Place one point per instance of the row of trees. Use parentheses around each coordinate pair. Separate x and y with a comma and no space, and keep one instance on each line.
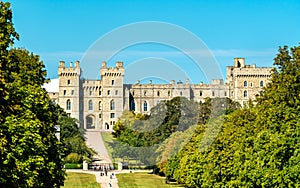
(256,146)
(154,138)
(215,145)
(30,153)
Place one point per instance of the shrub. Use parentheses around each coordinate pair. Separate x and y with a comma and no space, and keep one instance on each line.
(74,158)
(73,165)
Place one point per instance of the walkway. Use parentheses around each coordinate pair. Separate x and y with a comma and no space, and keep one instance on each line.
(94,140)
(103,180)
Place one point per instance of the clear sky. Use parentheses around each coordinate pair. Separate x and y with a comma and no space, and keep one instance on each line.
(64,30)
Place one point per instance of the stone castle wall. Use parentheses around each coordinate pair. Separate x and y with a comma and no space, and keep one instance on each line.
(97,104)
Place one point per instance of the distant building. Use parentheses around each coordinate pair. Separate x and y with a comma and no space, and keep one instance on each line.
(97,104)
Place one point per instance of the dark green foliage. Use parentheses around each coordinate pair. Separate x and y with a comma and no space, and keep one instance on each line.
(72,138)
(256,147)
(167,117)
(30,154)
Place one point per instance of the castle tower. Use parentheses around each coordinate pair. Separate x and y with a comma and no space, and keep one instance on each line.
(69,88)
(245,81)
(112,93)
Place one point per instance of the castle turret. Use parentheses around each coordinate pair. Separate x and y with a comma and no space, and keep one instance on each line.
(112,83)
(239,62)
(69,88)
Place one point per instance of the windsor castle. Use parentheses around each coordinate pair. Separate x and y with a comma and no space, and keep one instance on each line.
(97,104)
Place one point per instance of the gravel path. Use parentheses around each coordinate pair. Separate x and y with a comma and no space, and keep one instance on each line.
(95,141)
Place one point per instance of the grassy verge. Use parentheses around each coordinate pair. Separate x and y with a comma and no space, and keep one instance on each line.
(108,139)
(142,179)
(80,180)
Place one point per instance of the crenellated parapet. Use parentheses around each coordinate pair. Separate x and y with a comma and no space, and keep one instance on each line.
(72,70)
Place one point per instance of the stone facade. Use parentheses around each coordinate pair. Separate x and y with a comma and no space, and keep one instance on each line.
(97,104)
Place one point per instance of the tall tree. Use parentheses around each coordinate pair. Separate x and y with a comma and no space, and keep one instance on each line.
(30,154)
(7,37)
(256,147)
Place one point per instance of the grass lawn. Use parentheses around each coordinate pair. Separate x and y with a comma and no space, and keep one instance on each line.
(142,179)
(108,139)
(81,180)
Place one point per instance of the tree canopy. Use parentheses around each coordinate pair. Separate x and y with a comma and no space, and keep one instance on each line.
(30,154)
(256,146)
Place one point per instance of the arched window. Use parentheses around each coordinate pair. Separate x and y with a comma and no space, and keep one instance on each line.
(132,105)
(158,93)
(245,93)
(245,84)
(261,84)
(200,93)
(100,105)
(145,106)
(145,93)
(169,93)
(69,104)
(112,105)
(180,93)
(90,105)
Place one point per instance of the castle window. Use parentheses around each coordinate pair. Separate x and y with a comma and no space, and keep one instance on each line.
(200,93)
(180,93)
(213,93)
(169,93)
(158,93)
(116,92)
(225,93)
(112,115)
(65,92)
(251,85)
(69,104)
(100,105)
(72,92)
(133,93)
(69,82)
(100,92)
(112,82)
(112,105)
(90,105)
(261,84)
(91,93)
(245,83)
(108,92)
(145,106)
(132,105)
(100,116)
(145,93)
(245,93)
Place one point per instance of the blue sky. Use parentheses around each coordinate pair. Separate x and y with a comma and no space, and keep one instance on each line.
(66,30)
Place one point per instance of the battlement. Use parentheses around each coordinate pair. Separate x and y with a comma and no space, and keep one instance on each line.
(69,71)
(118,70)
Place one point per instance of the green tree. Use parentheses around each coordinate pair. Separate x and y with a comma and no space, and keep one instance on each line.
(256,147)
(72,138)
(30,154)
